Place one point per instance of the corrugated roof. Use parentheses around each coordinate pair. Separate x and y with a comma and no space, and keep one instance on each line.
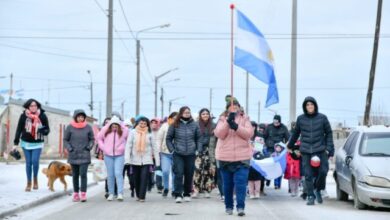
(20,102)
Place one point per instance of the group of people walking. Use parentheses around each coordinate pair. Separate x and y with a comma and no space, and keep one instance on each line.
(192,156)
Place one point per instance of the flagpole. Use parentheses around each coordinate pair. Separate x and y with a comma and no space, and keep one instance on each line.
(231,57)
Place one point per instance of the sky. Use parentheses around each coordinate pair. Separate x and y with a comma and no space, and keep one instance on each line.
(50,45)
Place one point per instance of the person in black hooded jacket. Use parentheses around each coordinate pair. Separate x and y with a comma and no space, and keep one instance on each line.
(316,140)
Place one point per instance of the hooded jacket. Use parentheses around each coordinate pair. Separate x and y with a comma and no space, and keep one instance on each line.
(315,131)
(273,135)
(79,142)
(113,144)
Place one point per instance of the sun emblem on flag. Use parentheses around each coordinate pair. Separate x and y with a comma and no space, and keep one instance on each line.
(270,56)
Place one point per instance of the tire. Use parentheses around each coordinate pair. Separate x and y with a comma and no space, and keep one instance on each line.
(340,194)
(356,202)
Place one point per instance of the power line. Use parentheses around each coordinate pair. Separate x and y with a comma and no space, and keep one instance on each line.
(127,21)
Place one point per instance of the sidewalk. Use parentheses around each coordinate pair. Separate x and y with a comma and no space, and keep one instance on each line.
(13,181)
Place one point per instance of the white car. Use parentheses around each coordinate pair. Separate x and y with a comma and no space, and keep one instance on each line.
(363,167)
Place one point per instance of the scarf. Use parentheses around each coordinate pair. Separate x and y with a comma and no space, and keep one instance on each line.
(79,124)
(140,140)
(33,123)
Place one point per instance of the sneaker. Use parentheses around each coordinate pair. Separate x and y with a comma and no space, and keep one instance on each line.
(76,197)
(251,197)
(240,212)
(187,199)
(106,195)
(257,196)
(159,191)
(310,200)
(83,196)
(207,195)
(229,211)
(324,194)
(263,194)
(303,196)
(165,193)
(318,196)
(120,197)
(195,195)
(179,199)
(222,198)
(110,197)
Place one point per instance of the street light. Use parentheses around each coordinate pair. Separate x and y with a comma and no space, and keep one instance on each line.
(91,89)
(138,44)
(170,101)
(162,95)
(156,78)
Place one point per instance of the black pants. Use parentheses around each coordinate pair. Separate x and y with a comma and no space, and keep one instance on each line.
(141,180)
(79,171)
(127,172)
(183,167)
(315,178)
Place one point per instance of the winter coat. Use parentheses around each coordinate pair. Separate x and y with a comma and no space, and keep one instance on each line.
(161,142)
(315,131)
(135,158)
(209,142)
(21,132)
(234,146)
(79,142)
(292,168)
(112,144)
(274,135)
(185,139)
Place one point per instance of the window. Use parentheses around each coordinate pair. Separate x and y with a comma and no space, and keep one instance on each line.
(375,144)
(351,149)
(347,144)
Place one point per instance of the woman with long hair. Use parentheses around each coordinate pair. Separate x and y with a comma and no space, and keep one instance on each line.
(33,125)
(112,140)
(139,153)
(205,170)
(183,140)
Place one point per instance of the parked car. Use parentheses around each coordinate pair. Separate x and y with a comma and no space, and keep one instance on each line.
(363,167)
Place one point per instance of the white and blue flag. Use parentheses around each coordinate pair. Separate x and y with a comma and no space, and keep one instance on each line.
(253,54)
(272,167)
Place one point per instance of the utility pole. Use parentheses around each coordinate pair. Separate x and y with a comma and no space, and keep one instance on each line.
(123,109)
(138,86)
(109,58)
(293,81)
(258,113)
(156,78)
(247,94)
(162,102)
(11,89)
(211,99)
(91,92)
(373,65)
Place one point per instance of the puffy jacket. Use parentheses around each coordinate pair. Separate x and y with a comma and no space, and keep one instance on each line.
(21,132)
(79,142)
(161,142)
(135,158)
(292,168)
(209,142)
(275,135)
(233,145)
(315,131)
(185,139)
(112,144)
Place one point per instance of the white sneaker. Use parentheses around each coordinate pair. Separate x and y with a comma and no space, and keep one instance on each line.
(110,197)
(179,200)
(251,197)
(257,196)
(195,195)
(120,197)
(324,194)
(207,195)
(187,199)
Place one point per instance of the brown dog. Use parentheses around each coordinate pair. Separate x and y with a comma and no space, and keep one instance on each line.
(56,170)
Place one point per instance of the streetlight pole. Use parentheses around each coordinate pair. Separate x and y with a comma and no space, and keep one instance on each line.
(171,101)
(156,78)
(138,51)
(91,90)
(162,96)
(109,59)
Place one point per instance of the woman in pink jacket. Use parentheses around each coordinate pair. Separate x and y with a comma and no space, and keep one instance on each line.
(112,141)
(233,153)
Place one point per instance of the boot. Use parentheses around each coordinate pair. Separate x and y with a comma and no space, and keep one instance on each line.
(28,187)
(35,186)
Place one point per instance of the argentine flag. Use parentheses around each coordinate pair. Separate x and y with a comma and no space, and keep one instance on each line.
(272,167)
(253,54)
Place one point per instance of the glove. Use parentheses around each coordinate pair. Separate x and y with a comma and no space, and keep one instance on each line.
(232,116)
(233,125)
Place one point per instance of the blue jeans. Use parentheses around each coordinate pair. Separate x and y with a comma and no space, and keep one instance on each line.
(235,181)
(166,167)
(278,182)
(32,161)
(114,166)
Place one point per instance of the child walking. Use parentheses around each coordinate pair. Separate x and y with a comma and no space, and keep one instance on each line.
(292,173)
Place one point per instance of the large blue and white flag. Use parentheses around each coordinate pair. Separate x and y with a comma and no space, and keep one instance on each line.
(253,54)
(272,167)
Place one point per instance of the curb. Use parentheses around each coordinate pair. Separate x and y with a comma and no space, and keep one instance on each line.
(38,202)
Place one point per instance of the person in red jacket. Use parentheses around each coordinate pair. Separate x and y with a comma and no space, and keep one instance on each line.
(292,173)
